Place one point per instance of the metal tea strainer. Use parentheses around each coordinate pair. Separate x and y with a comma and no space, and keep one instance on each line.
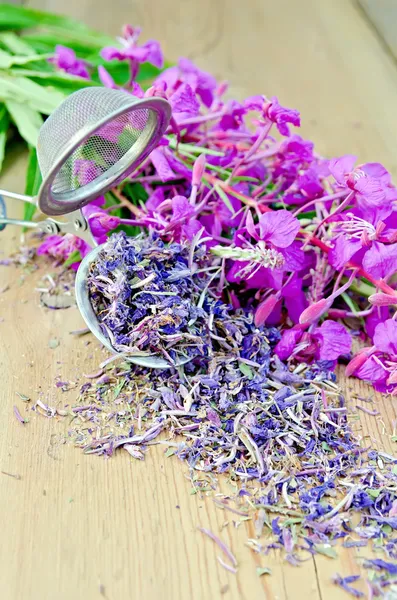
(90,143)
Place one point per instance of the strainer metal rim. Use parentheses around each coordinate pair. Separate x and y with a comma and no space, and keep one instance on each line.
(87,312)
(159,117)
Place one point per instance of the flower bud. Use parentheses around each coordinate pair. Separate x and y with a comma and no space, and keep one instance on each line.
(265,308)
(198,170)
(382,299)
(313,312)
(358,360)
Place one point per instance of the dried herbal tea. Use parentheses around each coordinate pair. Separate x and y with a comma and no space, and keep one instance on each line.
(155,298)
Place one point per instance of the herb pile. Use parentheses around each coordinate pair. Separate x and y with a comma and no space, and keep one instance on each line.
(281,436)
(153,298)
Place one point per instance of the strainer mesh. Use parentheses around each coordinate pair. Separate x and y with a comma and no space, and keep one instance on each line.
(96,153)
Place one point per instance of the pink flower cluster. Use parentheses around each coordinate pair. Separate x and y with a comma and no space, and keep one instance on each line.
(308,244)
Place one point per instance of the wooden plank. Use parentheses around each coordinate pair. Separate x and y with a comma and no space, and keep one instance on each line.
(383,16)
(82,527)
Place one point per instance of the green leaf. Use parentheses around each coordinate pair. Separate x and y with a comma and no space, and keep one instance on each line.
(15,44)
(4,124)
(224,198)
(58,79)
(73,258)
(23,90)
(27,120)
(120,71)
(118,387)
(19,17)
(246,370)
(136,193)
(328,551)
(373,493)
(33,182)
(7,60)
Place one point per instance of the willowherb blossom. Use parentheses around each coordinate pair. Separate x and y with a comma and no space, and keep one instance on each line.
(149,51)
(65,59)
(327,342)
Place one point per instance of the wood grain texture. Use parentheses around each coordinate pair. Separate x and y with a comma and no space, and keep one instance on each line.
(383,15)
(79,527)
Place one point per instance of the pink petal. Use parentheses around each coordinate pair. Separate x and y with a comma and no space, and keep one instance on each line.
(385,336)
(344,249)
(377,171)
(250,225)
(279,227)
(184,101)
(380,260)
(288,342)
(334,340)
(181,208)
(161,165)
(378,315)
(371,188)
(341,167)
(372,371)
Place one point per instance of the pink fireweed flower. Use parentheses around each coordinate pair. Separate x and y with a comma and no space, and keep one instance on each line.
(274,112)
(182,224)
(99,221)
(107,80)
(368,242)
(327,342)
(65,59)
(218,217)
(370,182)
(380,364)
(150,51)
(62,247)
(185,72)
(275,231)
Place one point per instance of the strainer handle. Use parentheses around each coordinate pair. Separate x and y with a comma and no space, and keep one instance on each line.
(30,199)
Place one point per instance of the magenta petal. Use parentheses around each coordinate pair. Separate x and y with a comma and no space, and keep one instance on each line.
(372,371)
(279,227)
(378,315)
(294,298)
(184,101)
(106,78)
(250,225)
(341,167)
(295,259)
(377,171)
(343,250)
(181,208)
(191,229)
(288,342)
(380,260)
(372,189)
(161,165)
(385,337)
(334,340)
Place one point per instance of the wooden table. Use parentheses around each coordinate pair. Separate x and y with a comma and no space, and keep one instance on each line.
(79,527)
